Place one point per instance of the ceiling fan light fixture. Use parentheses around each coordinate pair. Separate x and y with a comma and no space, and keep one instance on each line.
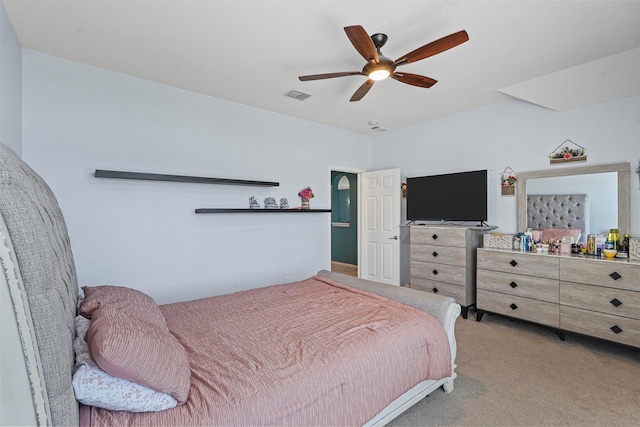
(380,70)
(379,74)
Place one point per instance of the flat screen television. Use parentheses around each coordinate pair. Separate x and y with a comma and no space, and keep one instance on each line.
(460,196)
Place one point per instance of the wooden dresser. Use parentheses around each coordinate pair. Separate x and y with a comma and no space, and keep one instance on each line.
(443,261)
(590,296)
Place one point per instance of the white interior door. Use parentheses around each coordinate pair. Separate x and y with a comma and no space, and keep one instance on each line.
(379,254)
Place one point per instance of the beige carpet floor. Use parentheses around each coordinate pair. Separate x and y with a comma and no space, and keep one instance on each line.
(514,373)
(341,267)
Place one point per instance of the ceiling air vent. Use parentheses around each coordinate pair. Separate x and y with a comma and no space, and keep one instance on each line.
(297,94)
(373,125)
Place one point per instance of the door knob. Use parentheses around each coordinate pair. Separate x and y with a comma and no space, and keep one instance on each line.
(393,238)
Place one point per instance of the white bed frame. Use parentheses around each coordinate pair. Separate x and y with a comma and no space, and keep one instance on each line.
(23,394)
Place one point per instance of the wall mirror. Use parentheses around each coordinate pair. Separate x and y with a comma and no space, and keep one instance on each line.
(617,179)
(341,204)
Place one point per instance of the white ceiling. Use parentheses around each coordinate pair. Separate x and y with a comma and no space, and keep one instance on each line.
(558,54)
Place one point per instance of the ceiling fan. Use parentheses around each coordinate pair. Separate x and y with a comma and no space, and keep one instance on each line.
(380,67)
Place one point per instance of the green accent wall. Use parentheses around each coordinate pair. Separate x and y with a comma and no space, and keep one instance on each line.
(344,210)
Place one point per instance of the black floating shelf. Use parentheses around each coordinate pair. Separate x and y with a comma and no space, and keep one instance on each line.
(180,178)
(224,210)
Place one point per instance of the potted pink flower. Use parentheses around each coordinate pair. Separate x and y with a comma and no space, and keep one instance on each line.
(509,181)
(509,184)
(306,194)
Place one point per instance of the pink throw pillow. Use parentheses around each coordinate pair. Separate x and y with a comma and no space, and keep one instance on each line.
(136,303)
(559,233)
(148,355)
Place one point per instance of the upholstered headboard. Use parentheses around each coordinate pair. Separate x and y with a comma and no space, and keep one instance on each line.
(38,268)
(558,211)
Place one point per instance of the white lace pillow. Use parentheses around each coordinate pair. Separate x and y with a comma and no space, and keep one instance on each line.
(94,387)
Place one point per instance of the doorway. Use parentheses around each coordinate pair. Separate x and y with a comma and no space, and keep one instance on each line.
(344,222)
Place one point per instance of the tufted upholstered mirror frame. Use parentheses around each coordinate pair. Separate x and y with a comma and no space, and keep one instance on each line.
(624,185)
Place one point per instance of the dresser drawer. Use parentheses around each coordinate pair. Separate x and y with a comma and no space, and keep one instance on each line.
(601,325)
(440,236)
(439,254)
(441,288)
(614,274)
(522,286)
(598,298)
(439,272)
(542,312)
(538,265)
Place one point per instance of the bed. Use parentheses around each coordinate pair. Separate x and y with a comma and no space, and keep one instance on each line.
(331,349)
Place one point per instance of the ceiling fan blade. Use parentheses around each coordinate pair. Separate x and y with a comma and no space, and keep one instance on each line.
(329,75)
(414,79)
(362,42)
(433,48)
(362,90)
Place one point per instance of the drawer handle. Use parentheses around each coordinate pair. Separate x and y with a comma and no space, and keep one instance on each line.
(513,285)
(435,254)
(615,275)
(435,272)
(435,290)
(435,237)
(616,302)
(513,263)
(513,306)
(616,329)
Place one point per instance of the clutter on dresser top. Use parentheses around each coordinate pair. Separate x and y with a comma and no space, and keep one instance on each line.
(567,242)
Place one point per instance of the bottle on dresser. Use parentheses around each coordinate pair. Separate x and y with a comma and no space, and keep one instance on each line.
(528,237)
(614,238)
(515,245)
(600,239)
(623,252)
(523,242)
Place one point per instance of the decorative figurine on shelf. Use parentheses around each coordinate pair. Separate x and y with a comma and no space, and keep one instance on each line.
(284,203)
(305,194)
(270,203)
(253,203)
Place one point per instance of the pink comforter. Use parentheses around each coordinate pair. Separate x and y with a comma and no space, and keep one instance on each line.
(308,353)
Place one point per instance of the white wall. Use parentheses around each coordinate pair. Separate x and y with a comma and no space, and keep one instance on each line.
(520,135)
(146,235)
(10,85)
